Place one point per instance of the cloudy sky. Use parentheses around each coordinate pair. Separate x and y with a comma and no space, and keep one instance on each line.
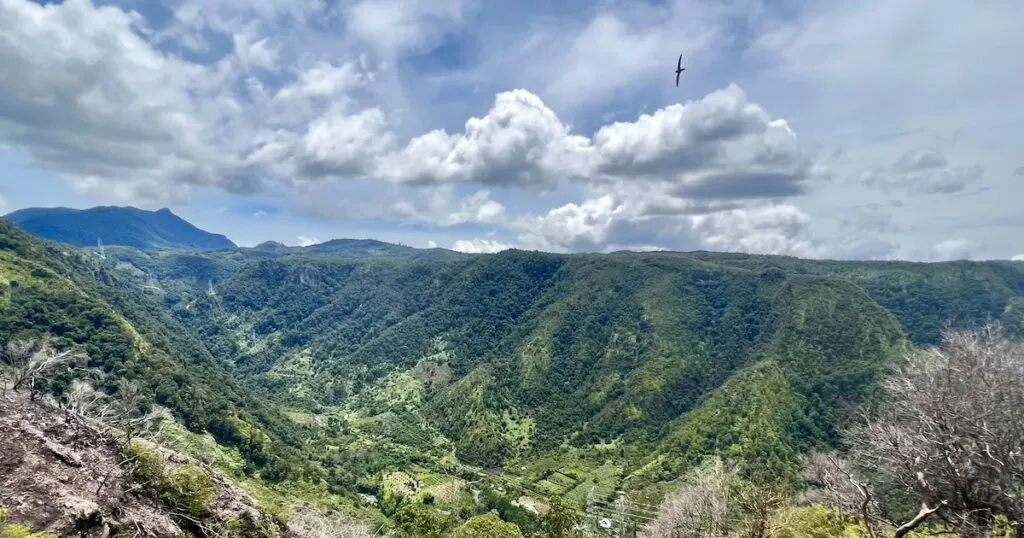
(861,129)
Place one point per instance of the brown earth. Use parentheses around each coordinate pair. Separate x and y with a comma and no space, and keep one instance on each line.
(59,473)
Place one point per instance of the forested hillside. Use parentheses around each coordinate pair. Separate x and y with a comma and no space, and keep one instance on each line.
(377,375)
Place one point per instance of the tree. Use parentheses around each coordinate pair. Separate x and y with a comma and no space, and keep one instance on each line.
(560,521)
(312,523)
(421,521)
(487,526)
(948,433)
(30,360)
(132,414)
(129,413)
(702,508)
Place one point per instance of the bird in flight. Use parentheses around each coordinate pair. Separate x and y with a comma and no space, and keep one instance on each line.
(679,69)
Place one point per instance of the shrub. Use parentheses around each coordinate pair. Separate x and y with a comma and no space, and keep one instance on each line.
(189,488)
(10,530)
(185,487)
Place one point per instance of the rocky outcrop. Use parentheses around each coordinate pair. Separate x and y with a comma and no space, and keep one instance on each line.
(61,474)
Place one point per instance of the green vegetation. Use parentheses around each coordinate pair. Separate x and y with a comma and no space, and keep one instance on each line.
(487,526)
(424,389)
(12,530)
(185,487)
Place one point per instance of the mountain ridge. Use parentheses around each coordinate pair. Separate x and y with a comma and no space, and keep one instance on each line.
(361,374)
(117,225)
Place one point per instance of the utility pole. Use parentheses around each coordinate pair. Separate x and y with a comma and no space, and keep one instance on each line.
(588,518)
(620,513)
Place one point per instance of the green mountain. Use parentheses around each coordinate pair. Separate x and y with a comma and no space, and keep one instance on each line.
(126,226)
(78,300)
(358,369)
(518,354)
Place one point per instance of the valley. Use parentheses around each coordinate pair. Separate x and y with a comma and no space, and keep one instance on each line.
(393,383)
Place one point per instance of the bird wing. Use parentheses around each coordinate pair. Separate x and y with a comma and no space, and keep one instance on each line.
(679,64)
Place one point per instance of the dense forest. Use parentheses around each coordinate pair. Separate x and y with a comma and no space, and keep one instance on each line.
(393,382)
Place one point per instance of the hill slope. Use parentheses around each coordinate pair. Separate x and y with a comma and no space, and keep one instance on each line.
(403,373)
(126,226)
(513,355)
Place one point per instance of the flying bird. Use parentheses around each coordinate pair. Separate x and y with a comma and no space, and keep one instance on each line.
(679,69)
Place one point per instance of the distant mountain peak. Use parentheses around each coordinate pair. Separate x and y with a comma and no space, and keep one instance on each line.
(117,225)
(271,244)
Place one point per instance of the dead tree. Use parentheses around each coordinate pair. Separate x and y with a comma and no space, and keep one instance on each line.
(702,508)
(30,361)
(311,523)
(949,432)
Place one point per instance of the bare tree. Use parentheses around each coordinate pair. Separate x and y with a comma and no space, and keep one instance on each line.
(310,523)
(132,414)
(836,483)
(31,360)
(128,414)
(86,401)
(948,432)
(702,508)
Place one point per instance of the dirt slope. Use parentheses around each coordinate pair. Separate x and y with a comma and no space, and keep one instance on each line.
(59,475)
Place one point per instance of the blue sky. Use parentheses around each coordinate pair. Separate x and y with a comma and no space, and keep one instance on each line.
(862,129)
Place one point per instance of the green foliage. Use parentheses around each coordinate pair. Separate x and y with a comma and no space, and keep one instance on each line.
(560,521)
(421,521)
(185,487)
(77,300)
(639,365)
(814,521)
(487,526)
(12,530)
(189,488)
(500,504)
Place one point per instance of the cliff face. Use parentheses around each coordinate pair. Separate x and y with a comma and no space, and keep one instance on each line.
(61,474)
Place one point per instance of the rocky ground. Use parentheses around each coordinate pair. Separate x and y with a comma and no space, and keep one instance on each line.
(62,475)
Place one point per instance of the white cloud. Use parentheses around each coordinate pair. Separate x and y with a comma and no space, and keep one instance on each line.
(259,213)
(333,108)
(923,171)
(720,147)
(307,241)
(955,249)
(431,244)
(519,143)
(391,27)
(1018,258)
(480,246)
(643,221)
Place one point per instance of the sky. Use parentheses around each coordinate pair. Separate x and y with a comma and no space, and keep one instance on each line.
(867,129)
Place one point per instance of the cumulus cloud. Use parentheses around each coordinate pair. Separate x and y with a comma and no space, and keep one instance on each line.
(923,171)
(860,248)
(95,99)
(1018,258)
(480,246)
(721,147)
(307,241)
(871,218)
(394,26)
(955,249)
(85,95)
(643,221)
(519,143)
